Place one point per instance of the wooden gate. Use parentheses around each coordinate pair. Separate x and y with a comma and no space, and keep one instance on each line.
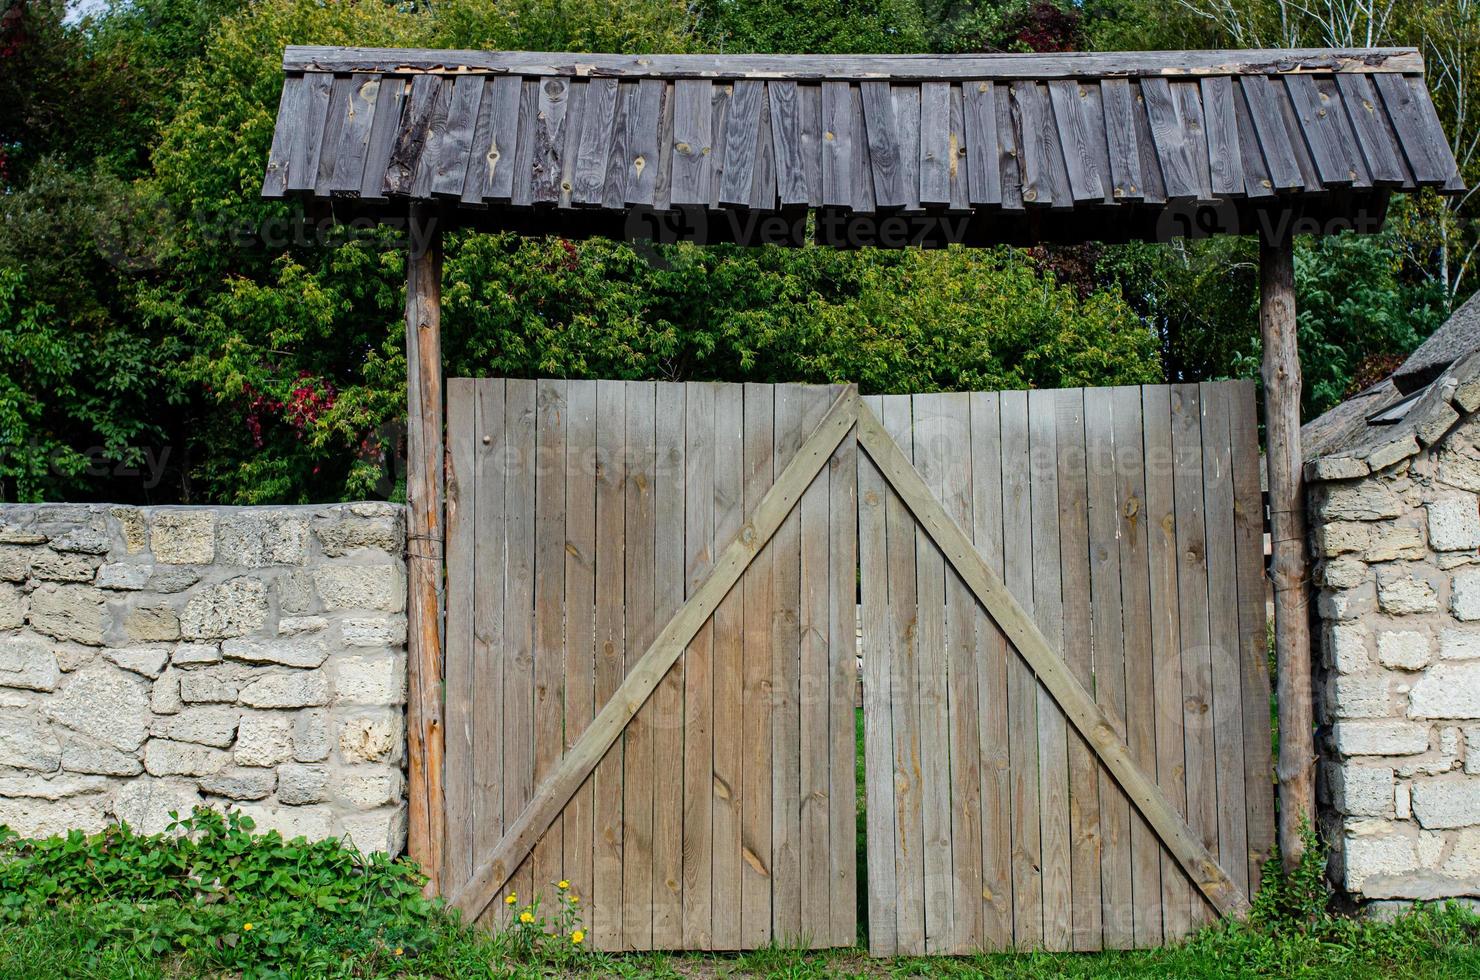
(650,658)
(1066,697)
(651,661)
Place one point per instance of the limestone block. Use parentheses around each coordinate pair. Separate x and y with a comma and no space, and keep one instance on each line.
(1348,603)
(369,680)
(164,696)
(1363,500)
(380,586)
(183,537)
(1444,803)
(297,625)
(1395,541)
(1403,801)
(264,740)
(233,608)
(299,784)
(72,657)
(298,689)
(69,612)
(1463,862)
(105,704)
(1360,696)
(342,536)
(297,652)
(309,822)
(146,804)
(1459,470)
(123,577)
(367,787)
(1335,468)
(1464,598)
(146,661)
(163,757)
(151,624)
(1472,751)
(28,664)
(1377,856)
(240,783)
(1399,593)
(295,592)
(1342,537)
(209,685)
(1460,643)
(1379,738)
(194,654)
(35,818)
(371,737)
(215,726)
(1447,690)
(1344,573)
(12,607)
(132,528)
(28,743)
(1360,790)
(374,631)
(86,756)
(15,563)
(169,579)
(87,540)
(1454,523)
(376,831)
(310,736)
(1347,645)
(1403,649)
(58,787)
(54,566)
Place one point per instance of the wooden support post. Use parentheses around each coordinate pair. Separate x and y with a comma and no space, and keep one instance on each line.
(424,534)
(1281,371)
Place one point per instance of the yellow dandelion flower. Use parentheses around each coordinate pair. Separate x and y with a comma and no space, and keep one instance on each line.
(399,950)
(578,937)
(247,927)
(574,899)
(526,917)
(562,884)
(511,899)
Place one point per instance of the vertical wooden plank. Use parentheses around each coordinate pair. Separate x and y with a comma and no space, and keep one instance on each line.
(786,137)
(785,548)
(384,128)
(1257,180)
(843,581)
(570,143)
(763,180)
(699,664)
(491,171)
(349,158)
(1119,107)
(1269,126)
(1008,163)
(1081,131)
(1194,129)
(729,671)
(984,175)
(598,128)
(639,772)
(814,914)
(1033,130)
(1223,633)
(1048,610)
(905,687)
(462,520)
(1168,129)
(521,190)
(432,129)
(907,126)
(284,133)
(604,904)
(549,623)
(878,734)
(667,700)
(1374,135)
(1322,133)
(755,796)
(953,432)
(886,148)
(644,118)
(1109,661)
(1022,687)
(862,177)
(1166,643)
(1224,155)
(1192,599)
(992,653)
(580,618)
(451,170)
(489,649)
(1074,562)
(837,144)
(933,761)
(554,106)
(519,496)
(303,151)
(1253,624)
(934,144)
(1140,678)
(1153,182)
(691,136)
(959,169)
(719,121)
(742,129)
(1412,115)
(810,97)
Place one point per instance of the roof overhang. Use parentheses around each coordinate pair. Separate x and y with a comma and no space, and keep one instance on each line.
(875,150)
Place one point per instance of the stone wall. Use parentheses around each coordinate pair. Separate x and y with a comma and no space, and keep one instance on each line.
(156,658)
(1398,591)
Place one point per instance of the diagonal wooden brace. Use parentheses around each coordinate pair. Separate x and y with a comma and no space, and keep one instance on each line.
(1052,672)
(551,796)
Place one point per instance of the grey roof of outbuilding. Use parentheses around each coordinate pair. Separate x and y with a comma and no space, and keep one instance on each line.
(1026,147)
(1434,388)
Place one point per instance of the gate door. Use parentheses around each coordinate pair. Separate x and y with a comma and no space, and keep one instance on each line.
(650,658)
(1066,702)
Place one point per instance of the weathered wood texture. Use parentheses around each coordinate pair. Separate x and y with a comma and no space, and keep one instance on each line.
(590,521)
(596,135)
(1113,516)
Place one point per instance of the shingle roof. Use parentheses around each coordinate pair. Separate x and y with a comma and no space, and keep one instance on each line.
(1456,337)
(1038,146)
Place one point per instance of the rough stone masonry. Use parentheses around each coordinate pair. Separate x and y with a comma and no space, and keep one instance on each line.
(152,659)
(1396,530)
